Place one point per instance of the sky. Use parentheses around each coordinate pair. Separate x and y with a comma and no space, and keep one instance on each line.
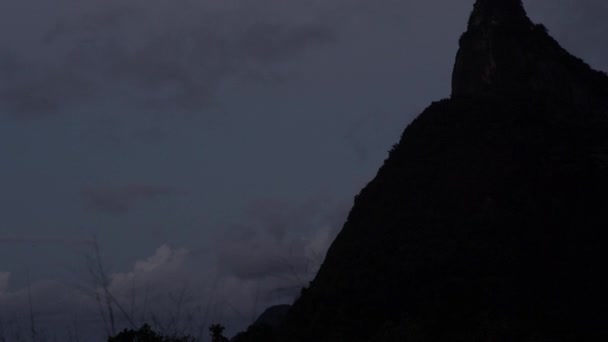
(210,149)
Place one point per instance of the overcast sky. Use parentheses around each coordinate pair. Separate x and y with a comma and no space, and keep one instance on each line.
(211,147)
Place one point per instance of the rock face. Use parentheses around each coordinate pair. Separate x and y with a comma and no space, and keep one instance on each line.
(489,219)
(503,51)
(265,326)
(273,316)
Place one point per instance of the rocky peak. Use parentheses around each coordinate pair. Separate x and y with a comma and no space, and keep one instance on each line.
(503,52)
(498,12)
(495,50)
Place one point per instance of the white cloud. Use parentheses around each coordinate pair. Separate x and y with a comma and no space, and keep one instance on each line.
(147,289)
(160,268)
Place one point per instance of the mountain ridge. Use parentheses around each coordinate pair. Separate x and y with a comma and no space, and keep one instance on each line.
(488,220)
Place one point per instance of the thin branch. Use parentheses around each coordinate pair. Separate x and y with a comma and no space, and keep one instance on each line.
(103,316)
(100,278)
(31,310)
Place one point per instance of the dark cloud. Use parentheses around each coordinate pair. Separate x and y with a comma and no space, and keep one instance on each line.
(137,53)
(157,55)
(121,199)
(31,88)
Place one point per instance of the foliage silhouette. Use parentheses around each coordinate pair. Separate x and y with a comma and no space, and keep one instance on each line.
(146,334)
(217,333)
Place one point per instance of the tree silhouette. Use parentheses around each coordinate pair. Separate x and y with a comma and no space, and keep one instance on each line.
(146,334)
(217,331)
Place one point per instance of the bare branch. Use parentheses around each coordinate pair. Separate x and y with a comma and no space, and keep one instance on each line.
(31,310)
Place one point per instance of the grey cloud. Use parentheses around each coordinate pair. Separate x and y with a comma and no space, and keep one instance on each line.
(39,89)
(121,199)
(158,55)
(134,52)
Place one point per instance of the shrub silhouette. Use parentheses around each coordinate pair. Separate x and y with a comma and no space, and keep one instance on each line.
(217,331)
(146,334)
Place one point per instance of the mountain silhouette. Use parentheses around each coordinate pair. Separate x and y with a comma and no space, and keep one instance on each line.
(489,219)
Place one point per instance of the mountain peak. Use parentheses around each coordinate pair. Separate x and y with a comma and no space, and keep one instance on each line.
(497,12)
(504,52)
(495,50)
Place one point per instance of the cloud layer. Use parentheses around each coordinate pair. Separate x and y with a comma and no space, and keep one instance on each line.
(148,54)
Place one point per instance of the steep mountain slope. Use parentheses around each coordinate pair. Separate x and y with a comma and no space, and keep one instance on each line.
(489,219)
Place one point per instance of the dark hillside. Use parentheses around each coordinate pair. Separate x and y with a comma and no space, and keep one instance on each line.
(489,219)
(502,216)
